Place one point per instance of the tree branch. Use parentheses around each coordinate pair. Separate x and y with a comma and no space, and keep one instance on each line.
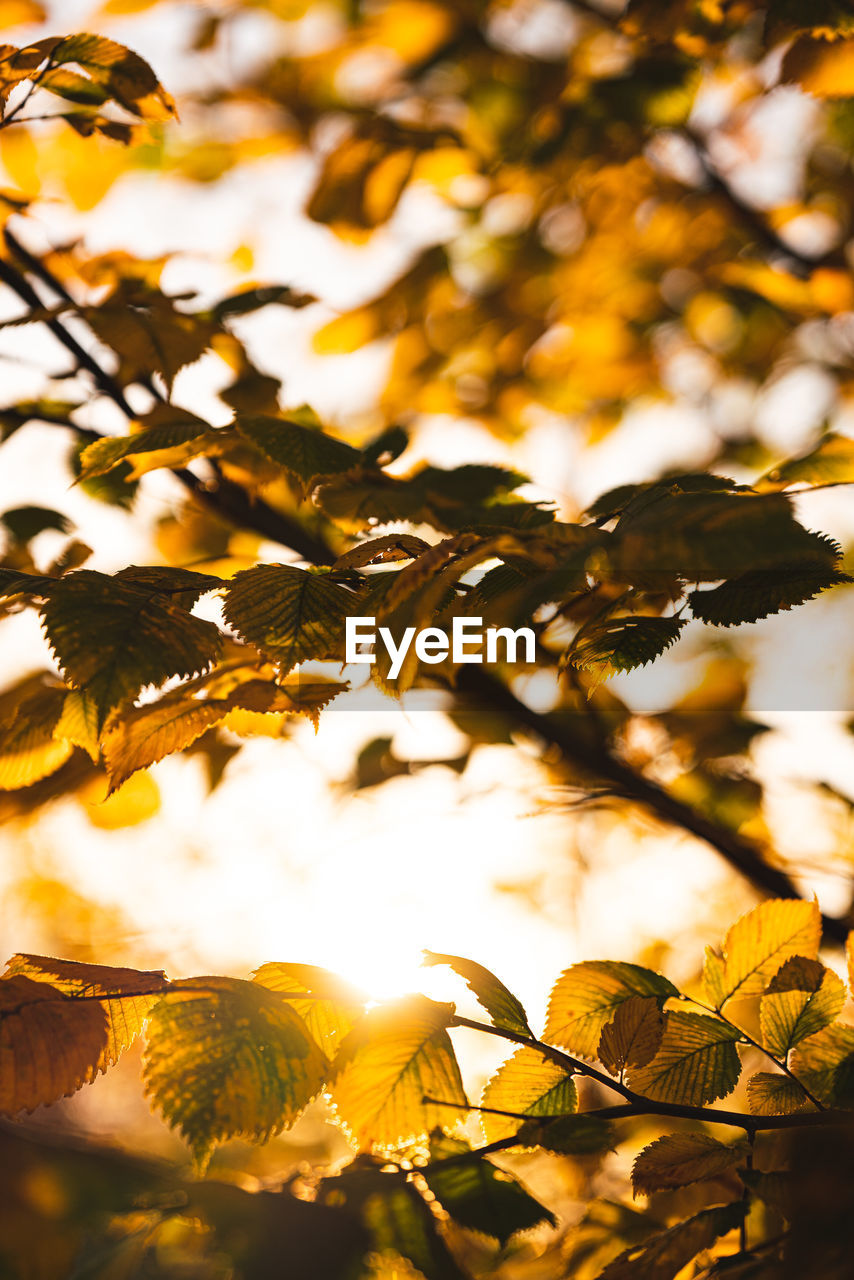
(743,855)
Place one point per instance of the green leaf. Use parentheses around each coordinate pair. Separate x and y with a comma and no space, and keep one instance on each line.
(530,1085)
(621,644)
(802,997)
(586,997)
(578,1135)
(333,1008)
(770,1094)
(758,595)
(501,1005)
(632,1038)
(679,1159)
(289,614)
(696,1063)
(477,1195)
(169,444)
(394,1057)
(760,941)
(664,1256)
(112,638)
(305,451)
(128,995)
(825,1063)
(225,1057)
(49,1045)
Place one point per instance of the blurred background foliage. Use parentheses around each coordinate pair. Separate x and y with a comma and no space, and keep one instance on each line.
(600,243)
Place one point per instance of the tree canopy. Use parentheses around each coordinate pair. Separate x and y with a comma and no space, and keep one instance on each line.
(603,227)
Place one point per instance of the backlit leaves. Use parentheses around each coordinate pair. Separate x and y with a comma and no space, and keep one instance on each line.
(332,1005)
(124,995)
(801,998)
(29,749)
(530,1085)
(680,1159)
(289,614)
(697,1062)
(772,1094)
(758,944)
(165,445)
(49,1044)
(633,1036)
(825,1064)
(501,1005)
(392,1059)
(225,1057)
(587,996)
(112,638)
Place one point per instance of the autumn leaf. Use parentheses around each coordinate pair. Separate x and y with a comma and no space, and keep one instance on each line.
(697,1062)
(50,1045)
(225,1057)
(771,1094)
(680,1159)
(112,638)
(396,1056)
(586,997)
(759,942)
(289,614)
(530,1085)
(633,1036)
(124,995)
(801,998)
(333,1007)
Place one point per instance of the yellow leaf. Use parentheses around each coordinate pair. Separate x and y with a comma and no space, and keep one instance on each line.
(143,736)
(15,12)
(394,1057)
(801,998)
(758,943)
(696,1063)
(78,722)
(334,1008)
(586,997)
(28,749)
(529,1084)
(769,1094)
(128,995)
(825,1063)
(225,1057)
(50,1045)
(633,1037)
(679,1159)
